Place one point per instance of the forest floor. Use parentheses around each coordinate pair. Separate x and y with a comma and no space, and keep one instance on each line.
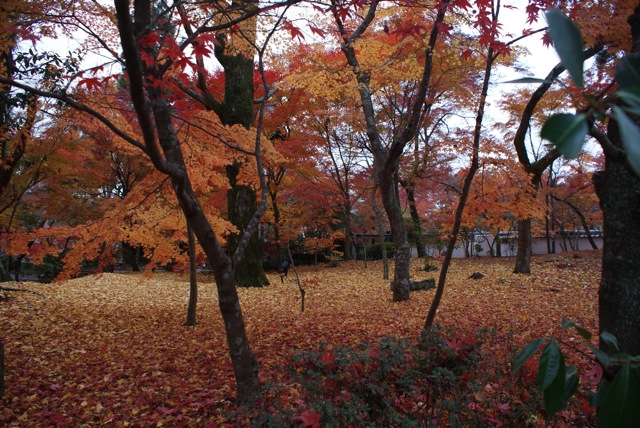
(113,350)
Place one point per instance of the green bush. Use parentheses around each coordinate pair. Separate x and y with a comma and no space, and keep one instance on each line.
(374,251)
(445,380)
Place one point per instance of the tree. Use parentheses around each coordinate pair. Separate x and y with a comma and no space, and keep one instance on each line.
(386,159)
(617,186)
(152,60)
(537,166)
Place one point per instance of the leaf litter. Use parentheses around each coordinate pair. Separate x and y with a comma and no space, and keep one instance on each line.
(113,349)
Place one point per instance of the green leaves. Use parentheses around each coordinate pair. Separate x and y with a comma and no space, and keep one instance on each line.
(526,353)
(567,132)
(619,407)
(627,73)
(568,43)
(557,381)
(566,323)
(630,137)
(550,362)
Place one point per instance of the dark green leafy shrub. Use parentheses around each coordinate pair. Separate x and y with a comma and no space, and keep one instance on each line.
(445,380)
(374,251)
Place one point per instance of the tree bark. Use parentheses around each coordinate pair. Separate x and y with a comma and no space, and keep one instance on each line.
(400,283)
(536,168)
(347,233)
(415,217)
(241,206)
(523,256)
(276,228)
(464,194)
(1,369)
(193,279)
(619,293)
(237,108)
(383,248)
(619,194)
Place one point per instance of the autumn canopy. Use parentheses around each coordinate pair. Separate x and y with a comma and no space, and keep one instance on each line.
(241,138)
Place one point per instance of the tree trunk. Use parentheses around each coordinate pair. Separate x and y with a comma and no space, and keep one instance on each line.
(347,233)
(276,229)
(237,108)
(383,248)
(400,283)
(241,205)
(415,217)
(193,279)
(619,293)
(1,369)
(523,257)
(130,255)
(583,222)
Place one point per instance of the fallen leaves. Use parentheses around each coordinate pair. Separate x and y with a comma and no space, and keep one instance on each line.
(113,349)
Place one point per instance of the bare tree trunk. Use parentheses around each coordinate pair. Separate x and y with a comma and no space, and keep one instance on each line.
(276,228)
(193,279)
(347,233)
(523,256)
(241,203)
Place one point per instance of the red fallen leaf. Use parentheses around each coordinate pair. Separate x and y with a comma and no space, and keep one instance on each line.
(309,418)
(504,408)
(594,375)
(327,357)
(454,344)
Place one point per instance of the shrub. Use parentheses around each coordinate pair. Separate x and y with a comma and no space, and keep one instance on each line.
(445,380)
(374,251)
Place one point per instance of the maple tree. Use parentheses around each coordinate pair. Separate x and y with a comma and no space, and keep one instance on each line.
(155,71)
(386,159)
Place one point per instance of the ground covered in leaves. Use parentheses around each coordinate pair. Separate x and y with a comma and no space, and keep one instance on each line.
(113,350)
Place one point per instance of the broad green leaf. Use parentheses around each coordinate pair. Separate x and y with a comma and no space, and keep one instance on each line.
(595,399)
(631,99)
(602,357)
(627,73)
(528,80)
(630,138)
(567,132)
(581,331)
(610,340)
(570,382)
(620,407)
(550,362)
(526,353)
(554,394)
(567,41)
